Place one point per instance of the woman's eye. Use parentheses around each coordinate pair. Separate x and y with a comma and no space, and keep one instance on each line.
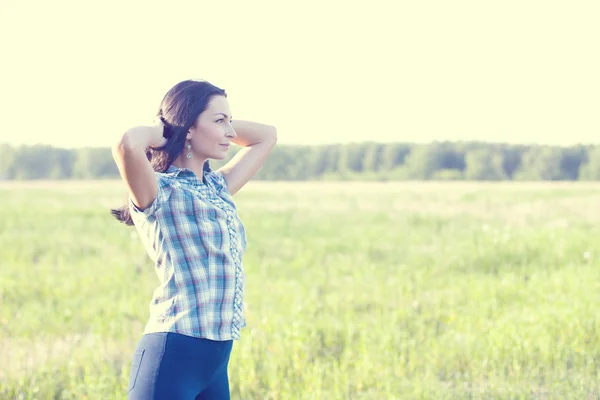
(220,119)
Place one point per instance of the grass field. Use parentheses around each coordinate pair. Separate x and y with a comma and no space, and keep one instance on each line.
(354,291)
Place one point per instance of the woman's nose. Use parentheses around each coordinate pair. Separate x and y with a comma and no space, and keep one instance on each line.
(231,133)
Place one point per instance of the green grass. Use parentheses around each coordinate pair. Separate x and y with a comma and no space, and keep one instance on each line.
(354,291)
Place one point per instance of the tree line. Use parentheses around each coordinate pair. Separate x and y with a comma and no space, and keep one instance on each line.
(354,161)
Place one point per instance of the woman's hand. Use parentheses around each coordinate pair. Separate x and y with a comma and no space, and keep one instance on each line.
(159,128)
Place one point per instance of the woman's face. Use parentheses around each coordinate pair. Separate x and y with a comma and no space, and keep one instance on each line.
(212,134)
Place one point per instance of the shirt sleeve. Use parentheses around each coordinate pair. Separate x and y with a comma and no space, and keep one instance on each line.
(164,192)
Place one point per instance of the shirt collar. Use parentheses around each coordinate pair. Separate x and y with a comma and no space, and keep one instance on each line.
(187,173)
(175,171)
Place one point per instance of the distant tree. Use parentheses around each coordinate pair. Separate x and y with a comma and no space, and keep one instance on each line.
(590,169)
(372,157)
(332,158)
(484,164)
(299,169)
(511,159)
(91,162)
(424,160)
(343,160)
(61,162)
(6,161)
(351,158)
(452,156)
(573,158)
(34,162)
(541,163)
(284,163)
(317,161)
(393,155)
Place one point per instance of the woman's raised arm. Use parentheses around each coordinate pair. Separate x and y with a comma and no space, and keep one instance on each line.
(129,154)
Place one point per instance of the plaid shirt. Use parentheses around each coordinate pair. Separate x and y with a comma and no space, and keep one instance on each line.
(194,236)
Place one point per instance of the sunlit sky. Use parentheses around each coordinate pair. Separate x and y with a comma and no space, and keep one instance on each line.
(79,73)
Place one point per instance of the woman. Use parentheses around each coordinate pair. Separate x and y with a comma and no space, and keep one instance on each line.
(187,220)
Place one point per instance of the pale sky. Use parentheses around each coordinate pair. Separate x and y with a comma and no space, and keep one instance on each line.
(79,73)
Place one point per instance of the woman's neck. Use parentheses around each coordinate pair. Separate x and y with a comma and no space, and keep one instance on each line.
(195,164)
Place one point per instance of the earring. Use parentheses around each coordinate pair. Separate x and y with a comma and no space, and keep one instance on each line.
(189,147)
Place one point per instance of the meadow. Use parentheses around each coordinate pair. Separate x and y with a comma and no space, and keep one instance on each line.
(354,291)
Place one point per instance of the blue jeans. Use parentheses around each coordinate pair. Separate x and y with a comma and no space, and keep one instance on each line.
(178,367)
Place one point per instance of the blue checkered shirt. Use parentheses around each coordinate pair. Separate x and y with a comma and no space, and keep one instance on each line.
(196,240)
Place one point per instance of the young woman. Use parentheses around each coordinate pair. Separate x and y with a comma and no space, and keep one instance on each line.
(187,220)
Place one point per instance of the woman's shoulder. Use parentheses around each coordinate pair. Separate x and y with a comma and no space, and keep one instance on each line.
(165,188)
(218,180)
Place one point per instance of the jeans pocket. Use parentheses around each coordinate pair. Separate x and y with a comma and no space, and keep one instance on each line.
(136,363)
